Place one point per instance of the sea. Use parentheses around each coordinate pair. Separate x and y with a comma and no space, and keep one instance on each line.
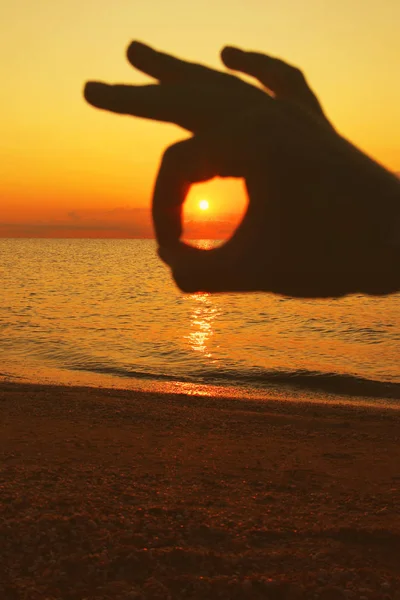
(107,313)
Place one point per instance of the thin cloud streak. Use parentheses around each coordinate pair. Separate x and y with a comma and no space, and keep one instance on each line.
(119,222)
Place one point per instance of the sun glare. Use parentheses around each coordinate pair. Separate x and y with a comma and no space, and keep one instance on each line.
(204,205)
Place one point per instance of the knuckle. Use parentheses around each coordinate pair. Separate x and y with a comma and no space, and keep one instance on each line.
(262,62)
(232,80)
(298,75)
(173,153)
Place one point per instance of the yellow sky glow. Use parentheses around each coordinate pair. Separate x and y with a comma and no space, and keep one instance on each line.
(64,163)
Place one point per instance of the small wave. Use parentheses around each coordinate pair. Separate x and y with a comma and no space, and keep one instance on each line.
(333,383)
(129,373)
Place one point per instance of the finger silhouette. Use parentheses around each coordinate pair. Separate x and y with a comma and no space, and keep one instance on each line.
(189,105)
(225,268)
(182,164)
(225,151)
(196,270)
(285,81)
(185,106)
(169,69)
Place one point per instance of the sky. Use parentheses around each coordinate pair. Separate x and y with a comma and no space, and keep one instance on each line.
(67,170)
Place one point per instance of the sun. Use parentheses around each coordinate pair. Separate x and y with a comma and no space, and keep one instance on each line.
(204,205)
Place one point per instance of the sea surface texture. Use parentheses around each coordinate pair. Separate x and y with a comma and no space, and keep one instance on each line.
(106,312)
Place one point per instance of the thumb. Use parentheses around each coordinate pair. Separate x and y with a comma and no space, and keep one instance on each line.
(196,270)
(221,269)
(193,269)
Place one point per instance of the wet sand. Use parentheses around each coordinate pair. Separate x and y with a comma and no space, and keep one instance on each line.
(119,494)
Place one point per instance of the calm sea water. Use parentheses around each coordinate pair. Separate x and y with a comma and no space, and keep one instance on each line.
(105,312)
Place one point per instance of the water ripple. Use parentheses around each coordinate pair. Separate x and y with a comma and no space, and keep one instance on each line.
(109,306)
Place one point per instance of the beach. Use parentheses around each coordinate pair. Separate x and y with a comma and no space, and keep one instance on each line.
(118,494)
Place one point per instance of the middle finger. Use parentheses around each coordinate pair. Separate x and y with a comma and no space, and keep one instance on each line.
(169,69)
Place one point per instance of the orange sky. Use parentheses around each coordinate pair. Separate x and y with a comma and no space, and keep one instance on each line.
(69,170)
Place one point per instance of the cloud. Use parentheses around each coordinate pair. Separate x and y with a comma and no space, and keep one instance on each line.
(119,222)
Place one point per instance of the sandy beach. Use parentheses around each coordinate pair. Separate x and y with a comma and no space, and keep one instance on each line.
(110,494)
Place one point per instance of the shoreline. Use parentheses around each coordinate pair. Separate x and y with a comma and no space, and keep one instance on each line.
(387,398)
(110,493)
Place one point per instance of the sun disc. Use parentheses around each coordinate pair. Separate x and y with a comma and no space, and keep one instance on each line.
(204,205)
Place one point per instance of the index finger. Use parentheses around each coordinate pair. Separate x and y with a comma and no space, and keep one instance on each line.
(182,165)
(229,151)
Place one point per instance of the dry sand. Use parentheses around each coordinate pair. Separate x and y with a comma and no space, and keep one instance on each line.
(113,494)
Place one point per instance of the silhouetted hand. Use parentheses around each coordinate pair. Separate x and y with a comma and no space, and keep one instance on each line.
(322,216)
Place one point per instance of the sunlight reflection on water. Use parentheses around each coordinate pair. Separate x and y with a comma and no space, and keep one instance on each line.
(201,324)
(109,308)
